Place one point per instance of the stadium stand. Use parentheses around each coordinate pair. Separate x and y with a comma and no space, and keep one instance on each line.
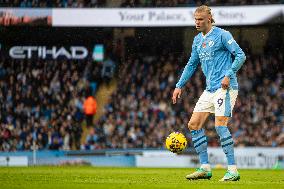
(32,96)
(43,99)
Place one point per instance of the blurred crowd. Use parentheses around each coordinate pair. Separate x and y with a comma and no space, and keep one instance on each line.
(129,3)
(43,100)
(140,113)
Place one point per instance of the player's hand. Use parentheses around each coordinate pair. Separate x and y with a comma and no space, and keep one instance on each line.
(176,94)
(225,82)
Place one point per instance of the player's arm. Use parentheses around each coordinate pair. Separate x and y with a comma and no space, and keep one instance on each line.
(232,46)
(190,67)
(187,72)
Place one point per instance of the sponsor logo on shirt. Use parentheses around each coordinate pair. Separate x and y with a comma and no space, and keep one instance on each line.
(204,45)
(206,56)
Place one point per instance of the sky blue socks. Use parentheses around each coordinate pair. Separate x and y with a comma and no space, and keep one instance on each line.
(227,143)
(199,141)
(200,144)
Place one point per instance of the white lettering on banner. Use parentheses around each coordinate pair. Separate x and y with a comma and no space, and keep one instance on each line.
(30,51)
(27,52)
(76,50)
(62,51)
(17,52)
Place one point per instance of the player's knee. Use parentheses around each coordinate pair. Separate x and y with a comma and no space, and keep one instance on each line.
(193,125)
(221,121)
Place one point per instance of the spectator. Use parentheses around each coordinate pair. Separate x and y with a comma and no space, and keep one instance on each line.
(90,109)
(91,140)
(108,68)
(130,3)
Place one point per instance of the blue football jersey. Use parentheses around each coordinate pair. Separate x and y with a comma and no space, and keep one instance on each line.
(214,51)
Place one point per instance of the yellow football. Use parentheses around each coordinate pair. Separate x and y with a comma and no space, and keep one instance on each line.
(176,142)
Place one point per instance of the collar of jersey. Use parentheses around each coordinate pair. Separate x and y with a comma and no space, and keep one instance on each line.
(204,36)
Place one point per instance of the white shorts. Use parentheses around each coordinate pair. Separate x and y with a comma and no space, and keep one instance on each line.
(220,102)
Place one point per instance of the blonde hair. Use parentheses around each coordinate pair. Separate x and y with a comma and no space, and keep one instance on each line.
(205,8)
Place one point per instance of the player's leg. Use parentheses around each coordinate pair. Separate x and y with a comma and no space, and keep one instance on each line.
(227,143)
(199,140)
(200,114)
(225,101)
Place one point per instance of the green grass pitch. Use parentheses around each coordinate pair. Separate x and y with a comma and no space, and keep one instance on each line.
(106,177)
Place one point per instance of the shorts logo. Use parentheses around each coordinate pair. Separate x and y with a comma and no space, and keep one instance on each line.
(211,43)
(220,101)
